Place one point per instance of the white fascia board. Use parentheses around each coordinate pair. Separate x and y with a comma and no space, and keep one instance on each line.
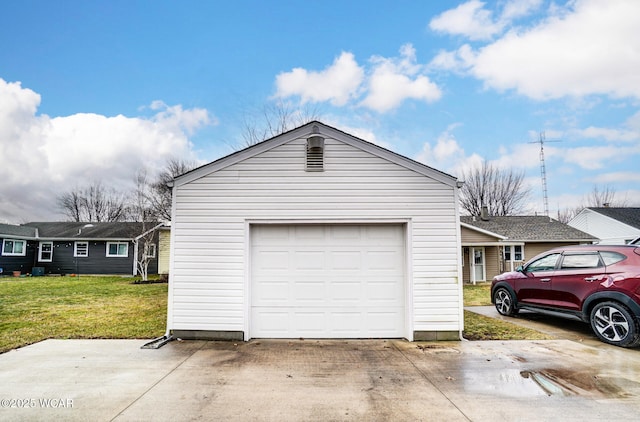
(479,230)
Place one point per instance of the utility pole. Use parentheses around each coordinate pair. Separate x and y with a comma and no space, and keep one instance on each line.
(543,171)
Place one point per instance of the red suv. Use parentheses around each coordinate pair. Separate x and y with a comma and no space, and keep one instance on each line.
(597,284)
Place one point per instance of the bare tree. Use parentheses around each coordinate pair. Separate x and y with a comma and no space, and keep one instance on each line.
(72,204)
(141,210)
(500,190)
(598,197)
(159,193)
(275,119)
(93,203)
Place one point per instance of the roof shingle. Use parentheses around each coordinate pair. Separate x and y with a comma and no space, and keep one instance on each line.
(528,228)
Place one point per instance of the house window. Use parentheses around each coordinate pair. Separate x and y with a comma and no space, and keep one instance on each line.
(150,250)
(46,252)
(117,249)
(513,253)
(14,247)
(81,249)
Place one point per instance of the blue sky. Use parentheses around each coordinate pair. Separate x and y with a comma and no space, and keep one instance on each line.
(96,90)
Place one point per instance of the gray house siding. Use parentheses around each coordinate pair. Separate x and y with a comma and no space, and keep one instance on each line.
(97,262)
(62,238)
(23,264)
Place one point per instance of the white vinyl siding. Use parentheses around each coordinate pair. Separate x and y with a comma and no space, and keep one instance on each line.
(164,246)
(607,229)
(212,215)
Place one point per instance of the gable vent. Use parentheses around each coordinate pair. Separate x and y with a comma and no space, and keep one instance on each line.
(315,153)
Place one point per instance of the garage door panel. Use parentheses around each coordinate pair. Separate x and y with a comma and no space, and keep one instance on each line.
(345,260)
(340,281)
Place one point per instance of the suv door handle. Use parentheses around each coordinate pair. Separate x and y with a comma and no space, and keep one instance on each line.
(545,280)
(590,279)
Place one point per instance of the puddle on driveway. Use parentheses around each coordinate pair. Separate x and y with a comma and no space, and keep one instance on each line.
(550,382)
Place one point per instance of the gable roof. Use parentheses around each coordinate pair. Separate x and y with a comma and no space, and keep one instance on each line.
(11,230)
(628,216)
(312,129)
(76,231)
(528,228)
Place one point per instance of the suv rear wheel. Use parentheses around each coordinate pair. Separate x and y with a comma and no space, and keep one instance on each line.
(505,304)
(614,324)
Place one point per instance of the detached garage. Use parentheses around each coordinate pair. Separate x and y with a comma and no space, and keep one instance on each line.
(315,234)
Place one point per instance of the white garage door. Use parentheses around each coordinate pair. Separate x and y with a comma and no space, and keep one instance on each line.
(327,281)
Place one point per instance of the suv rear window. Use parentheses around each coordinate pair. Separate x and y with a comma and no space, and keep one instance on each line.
(579,261)
(611,257)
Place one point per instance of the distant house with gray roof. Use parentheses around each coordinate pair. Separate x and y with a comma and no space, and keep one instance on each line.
(492,245)
(76,248)
(612,225)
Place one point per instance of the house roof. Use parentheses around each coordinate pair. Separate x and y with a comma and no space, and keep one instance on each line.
(628,216)
(311,129)
(528,228)
(11,230)
(75,230)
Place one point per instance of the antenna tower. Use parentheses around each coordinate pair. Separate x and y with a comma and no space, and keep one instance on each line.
(543,171)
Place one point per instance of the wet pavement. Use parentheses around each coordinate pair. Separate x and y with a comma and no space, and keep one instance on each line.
(372,380)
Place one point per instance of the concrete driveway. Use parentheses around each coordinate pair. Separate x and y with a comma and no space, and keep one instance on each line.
(104,380)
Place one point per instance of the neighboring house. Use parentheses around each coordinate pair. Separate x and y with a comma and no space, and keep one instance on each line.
(164,249)
(75,248)
(611,225)
(315,234)
(493,245)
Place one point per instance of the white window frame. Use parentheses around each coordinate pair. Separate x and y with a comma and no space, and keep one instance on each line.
(511,250)
(75,250)
(126,255)
(40,258)
(152,249)
(13,247)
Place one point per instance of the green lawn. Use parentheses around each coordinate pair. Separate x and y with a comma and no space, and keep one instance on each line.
(480,327)
(36,308)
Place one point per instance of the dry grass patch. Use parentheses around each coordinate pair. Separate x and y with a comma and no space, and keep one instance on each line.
(480,327)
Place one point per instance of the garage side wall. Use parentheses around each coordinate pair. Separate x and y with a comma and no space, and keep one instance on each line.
(210,256)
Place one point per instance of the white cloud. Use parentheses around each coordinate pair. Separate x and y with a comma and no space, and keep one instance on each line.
(338,83)
(597,157)
(394,80)
(469,19)
(584,50)
(608,134)
(382,87)
(44,156)
(447,155)
(616,177)
(474,21)
(459,61)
